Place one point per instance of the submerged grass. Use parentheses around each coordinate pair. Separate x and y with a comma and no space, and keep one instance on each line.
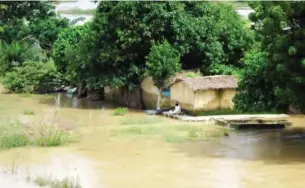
(120,111)
(56,183)
(15,135)
(45,133)
(178,133)
(147,120)
(28,112)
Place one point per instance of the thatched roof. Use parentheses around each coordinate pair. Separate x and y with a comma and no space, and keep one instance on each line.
(210,82)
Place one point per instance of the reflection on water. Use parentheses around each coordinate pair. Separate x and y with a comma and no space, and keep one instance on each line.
(71,101)
(277,146)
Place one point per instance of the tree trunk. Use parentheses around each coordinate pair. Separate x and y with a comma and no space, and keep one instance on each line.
(159,99)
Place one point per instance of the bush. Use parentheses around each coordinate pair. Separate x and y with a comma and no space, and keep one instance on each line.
(256,92)
(28,112)
(15,135)
(120,111)
(31,77)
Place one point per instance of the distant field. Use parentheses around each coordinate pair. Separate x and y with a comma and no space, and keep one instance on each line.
(235,4)
(76,11)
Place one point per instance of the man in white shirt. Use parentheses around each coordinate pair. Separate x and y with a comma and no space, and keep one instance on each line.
(177,110)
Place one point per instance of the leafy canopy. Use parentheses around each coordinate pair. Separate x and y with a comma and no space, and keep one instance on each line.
(280,26)
(208,36)
(163,62)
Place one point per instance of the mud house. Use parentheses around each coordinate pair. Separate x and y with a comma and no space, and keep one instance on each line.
(200,93)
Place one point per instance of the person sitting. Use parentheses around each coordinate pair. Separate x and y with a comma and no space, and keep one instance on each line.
(177,110)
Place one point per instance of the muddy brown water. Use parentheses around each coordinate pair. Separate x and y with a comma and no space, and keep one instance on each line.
(245,159)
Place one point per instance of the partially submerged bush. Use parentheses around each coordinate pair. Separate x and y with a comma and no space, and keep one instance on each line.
(15,135)
(12,135)
(51,136)
(56,183)
(32,76)
(120,111)
(28,112)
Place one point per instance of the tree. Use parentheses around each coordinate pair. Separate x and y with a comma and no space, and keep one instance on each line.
(30,20)
(280,26)
(65,47)
(209,37)
(163,62)
(15,53)
(33,76)
(255,88)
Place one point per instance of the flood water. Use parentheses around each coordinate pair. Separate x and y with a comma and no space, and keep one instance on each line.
(244,159)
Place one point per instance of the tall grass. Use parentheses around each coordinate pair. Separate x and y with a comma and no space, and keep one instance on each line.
(120,111)
(56,183)
(178,133)
(44,133)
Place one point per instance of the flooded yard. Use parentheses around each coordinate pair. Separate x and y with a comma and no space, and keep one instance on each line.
(136,150)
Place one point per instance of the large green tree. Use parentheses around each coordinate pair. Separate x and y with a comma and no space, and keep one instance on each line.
(162,63)
(30,21)
(280,26)
(208,36)
(66,46)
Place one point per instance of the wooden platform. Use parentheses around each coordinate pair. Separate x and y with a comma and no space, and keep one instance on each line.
(226,117)
(254,123)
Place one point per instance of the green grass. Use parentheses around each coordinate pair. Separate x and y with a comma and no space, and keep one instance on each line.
(121,111)
(172,133)
(49,136)
(147,120)
(25,94)
(28,112)
(55,183)
(14,135)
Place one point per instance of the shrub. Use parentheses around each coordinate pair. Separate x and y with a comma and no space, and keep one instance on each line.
(120,111)
(28,112)
(32,76)
(11,136)
(49,136)
(14,135)
(256,91)
(57,183)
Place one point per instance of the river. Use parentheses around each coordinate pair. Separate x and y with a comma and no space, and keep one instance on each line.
(244,159)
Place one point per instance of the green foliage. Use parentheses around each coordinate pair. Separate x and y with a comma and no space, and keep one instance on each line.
(15,53)
(30,20)
(15,135)
(32,77)
(28,112)
(12,136)
(193,74)
(56,183)
(280,28)
(123,33)
(256,91)
(64,50)
(162,63)
(50,136)
(121,111)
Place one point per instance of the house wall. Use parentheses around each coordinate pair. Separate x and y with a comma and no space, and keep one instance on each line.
(206,100)
(184,95)
(214,99)
(150,95)
(227,99)
(112,94)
